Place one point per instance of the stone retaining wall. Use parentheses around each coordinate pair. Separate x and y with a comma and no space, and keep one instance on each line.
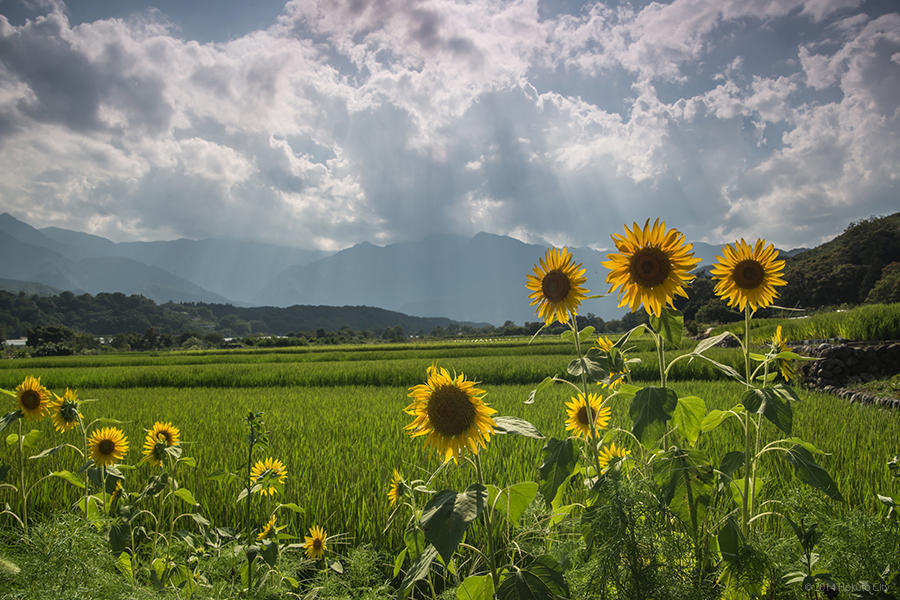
(847,363)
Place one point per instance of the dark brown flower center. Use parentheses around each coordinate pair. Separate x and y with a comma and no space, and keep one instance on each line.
(450,411)
(317,543)
(106,447)
(555,286)
(163,437)
(749,274)
(583,416)
(31,399)
(649,267)
(69,412)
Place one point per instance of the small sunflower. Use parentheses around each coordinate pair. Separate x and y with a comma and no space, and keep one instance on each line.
(651,268)
(33,398)
(604,343)
(268,530)
(577,410)
(747,275)
(785,366)
(159,437)
(611,453)
(269,464)
(314,544)
(451,412)
(64,411)
(556,286)
(107,445)
(397,488)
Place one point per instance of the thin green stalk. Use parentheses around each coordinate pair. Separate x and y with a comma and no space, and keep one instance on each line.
(661,357)
(249,500)
(495,577)
(745,507)
(584,386)
(24,498)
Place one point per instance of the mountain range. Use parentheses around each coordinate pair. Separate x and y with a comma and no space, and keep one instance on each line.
(480,279)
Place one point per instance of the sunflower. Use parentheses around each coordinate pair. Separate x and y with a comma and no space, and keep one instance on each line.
(159,437)
(652,267)
(269,464)
(785,366)
(108,445)
(314,543)
(268,530)
(577,410)
(604,343)
(64,411)
(747,275)
(556,286)
(451,412)
(33,398)
(611,453)
(397,488)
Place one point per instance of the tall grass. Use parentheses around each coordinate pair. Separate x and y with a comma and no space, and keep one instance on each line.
(341,442)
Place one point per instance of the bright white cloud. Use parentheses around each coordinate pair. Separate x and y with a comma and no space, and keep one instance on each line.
(386,120)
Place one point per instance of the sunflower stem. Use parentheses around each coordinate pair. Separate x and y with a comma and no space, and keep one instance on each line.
(24,497)
(749,470)
(588,409)
(487,524)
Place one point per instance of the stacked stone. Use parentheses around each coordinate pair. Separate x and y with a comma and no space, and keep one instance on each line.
(846,363)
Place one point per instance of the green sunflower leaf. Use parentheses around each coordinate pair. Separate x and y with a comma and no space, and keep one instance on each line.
(186,495)
(688,416)
(476,587)
(512,501)
(447,516)
(559,462)
(809,472)
(542,579)
(516,426)
(70,477)
(650,410)
(669,324)
(10,418)
(419,569)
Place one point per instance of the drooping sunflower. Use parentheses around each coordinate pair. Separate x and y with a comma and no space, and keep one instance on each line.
(269,464)
(556,286)
(610,453)
(314,543)
(159,437)
(451,412)
(747,275)
(107,445)
(64,411)
(651,268)
(396,489)
(33,398)
(577,411)
(268,530)
(785,366)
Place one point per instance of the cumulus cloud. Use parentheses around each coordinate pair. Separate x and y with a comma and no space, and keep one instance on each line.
(388,120)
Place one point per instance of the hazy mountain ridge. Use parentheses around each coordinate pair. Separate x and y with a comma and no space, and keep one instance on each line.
(477,279)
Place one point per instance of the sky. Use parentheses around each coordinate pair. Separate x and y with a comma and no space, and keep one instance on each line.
(325,123)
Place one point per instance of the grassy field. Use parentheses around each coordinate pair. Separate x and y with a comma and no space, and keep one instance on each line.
(335,418)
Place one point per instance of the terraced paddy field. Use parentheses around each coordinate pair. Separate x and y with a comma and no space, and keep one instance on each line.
(335,417)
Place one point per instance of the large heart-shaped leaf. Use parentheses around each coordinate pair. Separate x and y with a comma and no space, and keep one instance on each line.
(559,462)
(447,516)
(650,409)
(688,417)
(542,579)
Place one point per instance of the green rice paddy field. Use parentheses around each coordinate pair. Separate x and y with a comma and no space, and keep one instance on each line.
(335,417)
